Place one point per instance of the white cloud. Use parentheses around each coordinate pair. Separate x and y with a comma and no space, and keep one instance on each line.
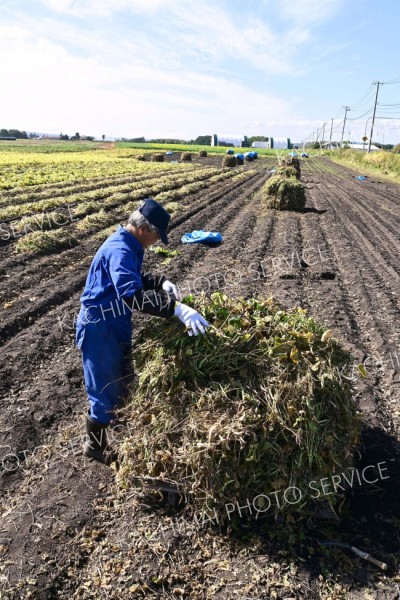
(54,90)
(187,69)
(103,8)
(205,31)
(309,12)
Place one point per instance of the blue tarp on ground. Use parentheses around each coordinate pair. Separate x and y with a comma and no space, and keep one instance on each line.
(199,236)
(361,177)
(229,152)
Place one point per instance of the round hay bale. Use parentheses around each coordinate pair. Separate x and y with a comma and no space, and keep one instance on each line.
(229,161)
(254,406)
(157,158)
(285,171)
(284,193)
(203,153)
(186,156)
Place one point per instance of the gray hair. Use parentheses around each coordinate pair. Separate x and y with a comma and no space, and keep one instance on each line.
(137,219)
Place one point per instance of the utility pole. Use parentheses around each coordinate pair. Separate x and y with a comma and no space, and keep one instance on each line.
(330,137)
(346,108)
(377,83)
(323,133)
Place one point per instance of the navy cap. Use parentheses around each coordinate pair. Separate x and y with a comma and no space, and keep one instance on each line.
(157,216)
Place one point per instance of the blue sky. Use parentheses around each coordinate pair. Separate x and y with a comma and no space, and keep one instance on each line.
(175,68)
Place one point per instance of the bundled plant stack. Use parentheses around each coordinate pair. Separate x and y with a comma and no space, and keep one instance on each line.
(284,191)
(186,156)
(203,153)
(253,407)
(285,171)
(229,161)
(157,158)
(291,161)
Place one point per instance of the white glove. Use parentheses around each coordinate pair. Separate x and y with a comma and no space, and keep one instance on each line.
(171,288)
(191,318)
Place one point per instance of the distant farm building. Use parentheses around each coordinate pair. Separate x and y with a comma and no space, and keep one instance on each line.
(279,143)
(237,141)
(351,145)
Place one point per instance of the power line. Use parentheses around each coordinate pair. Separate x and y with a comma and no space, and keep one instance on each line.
(392,81)
(361,116)
(364,98)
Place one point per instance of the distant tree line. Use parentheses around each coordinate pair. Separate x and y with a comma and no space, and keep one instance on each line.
(16,133)
(77,137)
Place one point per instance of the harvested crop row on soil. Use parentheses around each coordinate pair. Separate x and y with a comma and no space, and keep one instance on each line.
(43,242)
(256,405)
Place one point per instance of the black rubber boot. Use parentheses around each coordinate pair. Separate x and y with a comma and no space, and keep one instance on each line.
(96,445)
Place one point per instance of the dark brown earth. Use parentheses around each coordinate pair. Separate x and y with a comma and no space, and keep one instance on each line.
(66,530)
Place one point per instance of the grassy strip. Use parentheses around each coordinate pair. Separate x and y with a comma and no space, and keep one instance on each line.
(382,164)
(48,147)
(211,150)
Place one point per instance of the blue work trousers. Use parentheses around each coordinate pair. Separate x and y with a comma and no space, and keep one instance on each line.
(106,355)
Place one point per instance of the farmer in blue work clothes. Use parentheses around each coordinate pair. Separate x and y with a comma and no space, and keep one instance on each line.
(114,287)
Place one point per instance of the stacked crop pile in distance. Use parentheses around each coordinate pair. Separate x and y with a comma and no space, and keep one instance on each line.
(186,156)
(229,161)
(284,191)
(157,158)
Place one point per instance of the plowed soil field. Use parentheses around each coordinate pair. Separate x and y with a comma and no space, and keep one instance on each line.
(66,531)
